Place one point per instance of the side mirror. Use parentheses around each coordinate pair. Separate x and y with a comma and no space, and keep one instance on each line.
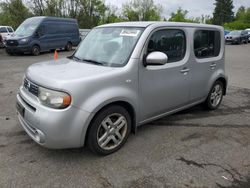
(156,58)
(37,34)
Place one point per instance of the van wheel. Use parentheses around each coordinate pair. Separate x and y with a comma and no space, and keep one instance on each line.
(215,96)
(35,50)
(8,51)
(68,47)
(109,130)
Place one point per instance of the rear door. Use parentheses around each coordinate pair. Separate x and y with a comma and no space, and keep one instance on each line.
(163,88)
(207,59)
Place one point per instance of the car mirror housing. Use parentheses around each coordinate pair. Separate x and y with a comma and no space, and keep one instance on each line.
(156,58)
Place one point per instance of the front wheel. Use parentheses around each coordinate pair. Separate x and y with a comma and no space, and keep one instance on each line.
(215,96)
(35,50)
(109,130)
(9,52)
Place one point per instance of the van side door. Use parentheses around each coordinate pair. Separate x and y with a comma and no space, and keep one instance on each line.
(52,34)
(41,38)
(163,88)
(208,57)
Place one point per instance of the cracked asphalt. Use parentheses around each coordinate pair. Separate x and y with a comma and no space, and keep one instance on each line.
(193,148)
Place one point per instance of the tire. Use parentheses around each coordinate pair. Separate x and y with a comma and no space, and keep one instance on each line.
(68,46)
(35,50)
(215,96)
(109,130)
(8,51)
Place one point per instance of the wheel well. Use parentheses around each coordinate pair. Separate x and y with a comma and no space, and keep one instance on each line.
(224,82)
(124,104)
(36,45)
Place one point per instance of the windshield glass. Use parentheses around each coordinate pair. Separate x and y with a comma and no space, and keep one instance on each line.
(110,46)
(235,32)
(28,27)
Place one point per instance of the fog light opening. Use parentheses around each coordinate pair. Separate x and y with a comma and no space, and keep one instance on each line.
(39,136)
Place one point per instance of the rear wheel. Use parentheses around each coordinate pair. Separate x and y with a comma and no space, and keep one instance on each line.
(35,50)
(215,96)
(109,130)
(68,47)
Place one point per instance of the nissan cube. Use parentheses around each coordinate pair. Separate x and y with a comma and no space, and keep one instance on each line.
(121,76)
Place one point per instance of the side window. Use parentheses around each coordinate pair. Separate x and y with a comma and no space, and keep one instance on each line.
(10,29)
(172,42)
(207,43)
(3,30)
(41,30)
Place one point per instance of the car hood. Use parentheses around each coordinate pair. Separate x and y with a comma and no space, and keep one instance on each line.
(15,37)
(234,36)
(61,72)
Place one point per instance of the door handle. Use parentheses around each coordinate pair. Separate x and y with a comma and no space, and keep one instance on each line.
(185,70)
(213,66)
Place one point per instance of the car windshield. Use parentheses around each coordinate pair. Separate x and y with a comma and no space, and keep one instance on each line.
(28,27)
(235,33)
(108,46)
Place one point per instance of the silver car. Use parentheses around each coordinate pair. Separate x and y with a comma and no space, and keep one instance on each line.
(121,76)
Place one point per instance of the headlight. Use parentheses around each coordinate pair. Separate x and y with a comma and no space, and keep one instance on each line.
(25,40)
(53,99)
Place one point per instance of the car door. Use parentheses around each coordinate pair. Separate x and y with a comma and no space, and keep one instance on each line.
(42,37)
(10,30)
(163,88)
(206,61)
(51,31)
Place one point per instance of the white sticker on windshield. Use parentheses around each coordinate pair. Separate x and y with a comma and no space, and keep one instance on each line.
(129,33)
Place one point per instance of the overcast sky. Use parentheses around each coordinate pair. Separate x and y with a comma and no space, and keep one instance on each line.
(195,7)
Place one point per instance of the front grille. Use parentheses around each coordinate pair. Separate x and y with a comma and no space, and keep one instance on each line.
(12,43)
(32,88)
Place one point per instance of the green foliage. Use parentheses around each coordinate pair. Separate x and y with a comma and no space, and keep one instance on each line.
(236,25)
(242,20)
(223,12)
(179,16)
(90,13)
(142,10)
(13,13)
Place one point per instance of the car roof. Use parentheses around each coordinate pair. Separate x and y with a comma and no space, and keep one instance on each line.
(145,24)
(52,18)
(5,26)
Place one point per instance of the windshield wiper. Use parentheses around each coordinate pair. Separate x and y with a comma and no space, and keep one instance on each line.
(87,60)
(93,61)
(74,58)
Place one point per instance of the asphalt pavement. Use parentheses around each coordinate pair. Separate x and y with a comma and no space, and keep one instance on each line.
(194,148)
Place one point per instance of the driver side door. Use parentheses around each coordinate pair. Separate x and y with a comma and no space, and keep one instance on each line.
(163,88)
(42,38)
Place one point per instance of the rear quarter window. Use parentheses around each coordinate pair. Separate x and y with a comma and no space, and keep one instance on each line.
(207,43)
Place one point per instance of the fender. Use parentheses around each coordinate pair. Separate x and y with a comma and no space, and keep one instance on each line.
(104,97)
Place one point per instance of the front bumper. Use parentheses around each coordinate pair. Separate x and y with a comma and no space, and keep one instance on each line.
(52,128)
(236,40)
(18,49)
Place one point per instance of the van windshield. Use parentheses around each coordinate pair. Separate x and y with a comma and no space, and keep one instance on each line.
(28,27)
(108,46)
(235,33)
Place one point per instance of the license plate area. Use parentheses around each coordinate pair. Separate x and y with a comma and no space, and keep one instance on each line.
(20,109)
